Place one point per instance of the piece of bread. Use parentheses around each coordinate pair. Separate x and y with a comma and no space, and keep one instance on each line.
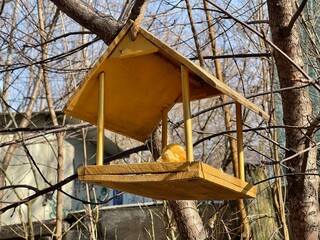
(173,153)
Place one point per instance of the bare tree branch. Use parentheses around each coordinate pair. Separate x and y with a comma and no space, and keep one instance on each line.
(54,130)
(275,47)
(17,66)
(248,97)
(104,26)
(296,16)
(309,141)
(59,37)
(240,55)
(137,15)
(2,7)
(286,175)
(313,125)
(125,153)
(40,192)
(19,186)
(51,189)
(137,9)
(37,129)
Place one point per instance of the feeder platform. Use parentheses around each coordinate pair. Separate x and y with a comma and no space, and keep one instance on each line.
(169,181)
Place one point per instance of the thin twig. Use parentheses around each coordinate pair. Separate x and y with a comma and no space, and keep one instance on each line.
(53,130)
(248,97)
(125,153)
(194,34)
(296,16)
(38,129)
(41,192)
(286,175)
(239,55)
(51,189)
(18,66)
(2,7)
(267,41)
(20,186)
(57,38)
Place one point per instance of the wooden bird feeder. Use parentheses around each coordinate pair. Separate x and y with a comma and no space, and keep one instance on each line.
(129,91)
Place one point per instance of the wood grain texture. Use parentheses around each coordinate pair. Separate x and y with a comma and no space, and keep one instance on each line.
(143,79)
(170,181)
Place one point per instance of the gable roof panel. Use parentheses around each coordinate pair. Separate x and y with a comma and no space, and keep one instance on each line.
(142,78)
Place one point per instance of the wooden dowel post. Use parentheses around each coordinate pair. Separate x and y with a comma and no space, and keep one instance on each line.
(240,142)
(100,121)
(164,128)
(186,112)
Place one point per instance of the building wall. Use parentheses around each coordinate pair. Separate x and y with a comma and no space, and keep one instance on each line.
(43,151)
(125,222)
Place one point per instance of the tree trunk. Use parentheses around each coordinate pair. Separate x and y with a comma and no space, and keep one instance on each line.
(261,210)
(186,213)
(302,189)
(188,220)
(104,26)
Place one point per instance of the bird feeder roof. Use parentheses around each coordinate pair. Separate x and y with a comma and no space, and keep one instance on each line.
(142,79)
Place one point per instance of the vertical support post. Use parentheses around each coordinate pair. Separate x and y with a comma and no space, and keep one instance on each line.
(164,138)
(100,121)
(186,112)
(240,142)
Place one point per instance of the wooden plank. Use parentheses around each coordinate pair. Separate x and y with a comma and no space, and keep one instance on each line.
(164,123)
(152,185)
(210,79)
(198,181)
(231,188)
(128,48)
(186,112)
(144,178)
(139,168)
(157,167)
(224,179)
(184,185)
(133,103)
(100,122)
(240,151)
(89,77)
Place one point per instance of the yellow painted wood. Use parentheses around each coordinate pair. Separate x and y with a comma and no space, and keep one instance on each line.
(143,79)
(133,101)
(171,181)
(139,168)
(128,48)
(241,171)
(164,132)
(100,123)
(186,113)
(204,75)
